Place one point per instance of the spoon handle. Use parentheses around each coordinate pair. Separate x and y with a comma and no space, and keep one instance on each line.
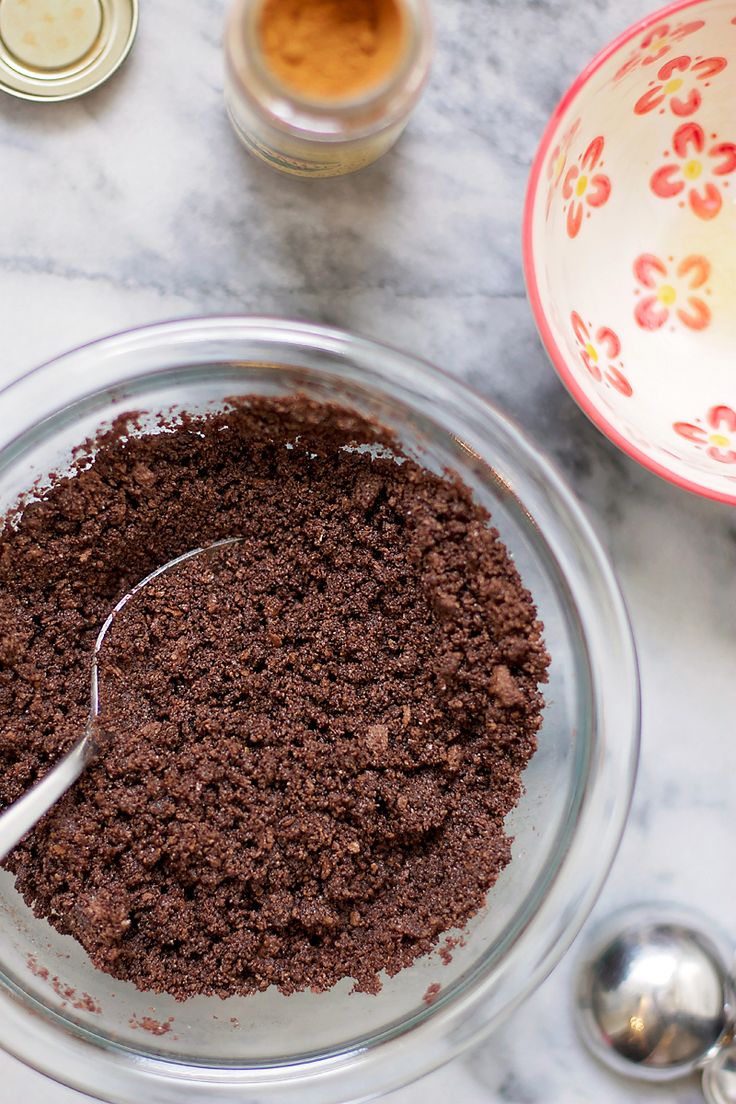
(21,816)
(27,810)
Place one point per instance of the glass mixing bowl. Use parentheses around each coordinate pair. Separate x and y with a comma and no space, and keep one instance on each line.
(101,1036)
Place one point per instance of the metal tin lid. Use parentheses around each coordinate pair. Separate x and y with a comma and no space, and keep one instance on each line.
(57,49)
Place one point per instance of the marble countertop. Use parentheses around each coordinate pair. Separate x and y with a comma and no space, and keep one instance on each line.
(137,204)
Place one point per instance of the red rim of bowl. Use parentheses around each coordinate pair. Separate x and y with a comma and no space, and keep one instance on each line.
(555,354)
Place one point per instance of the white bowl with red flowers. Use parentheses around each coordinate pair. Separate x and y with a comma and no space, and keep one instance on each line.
(630,243)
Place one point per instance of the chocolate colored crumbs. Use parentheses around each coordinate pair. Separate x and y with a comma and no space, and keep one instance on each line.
(153,1027)
(41,972)
(314,734)
(68,994)
(433,991)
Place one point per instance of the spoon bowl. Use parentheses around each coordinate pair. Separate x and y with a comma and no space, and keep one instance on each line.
(654,999)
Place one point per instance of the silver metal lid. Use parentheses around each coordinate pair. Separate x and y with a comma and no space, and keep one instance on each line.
(58,49)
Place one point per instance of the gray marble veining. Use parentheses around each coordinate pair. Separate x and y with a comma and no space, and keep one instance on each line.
(137,204)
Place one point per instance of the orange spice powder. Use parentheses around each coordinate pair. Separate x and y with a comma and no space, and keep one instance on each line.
(331,49)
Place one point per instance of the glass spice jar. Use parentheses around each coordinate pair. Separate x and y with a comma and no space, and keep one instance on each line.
(304,135)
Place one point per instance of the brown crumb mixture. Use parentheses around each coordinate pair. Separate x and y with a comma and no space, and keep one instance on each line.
(433,991)
(316,733)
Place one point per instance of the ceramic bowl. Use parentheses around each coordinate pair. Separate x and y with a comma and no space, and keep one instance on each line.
(630,243)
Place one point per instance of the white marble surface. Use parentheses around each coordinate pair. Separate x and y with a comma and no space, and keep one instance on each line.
(136,204)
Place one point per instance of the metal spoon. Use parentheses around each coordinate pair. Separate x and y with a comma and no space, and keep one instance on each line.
(655,1001)
(20,817)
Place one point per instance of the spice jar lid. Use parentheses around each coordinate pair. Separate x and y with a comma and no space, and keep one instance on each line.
(58,49)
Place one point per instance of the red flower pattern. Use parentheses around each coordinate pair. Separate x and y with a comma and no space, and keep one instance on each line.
(599,353)
(675,85)
(674,179)
(717,436)
(673,291)
(658,42)
(585,186)
(558,161)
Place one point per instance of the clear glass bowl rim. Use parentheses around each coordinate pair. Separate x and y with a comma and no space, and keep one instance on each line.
(79,1060)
